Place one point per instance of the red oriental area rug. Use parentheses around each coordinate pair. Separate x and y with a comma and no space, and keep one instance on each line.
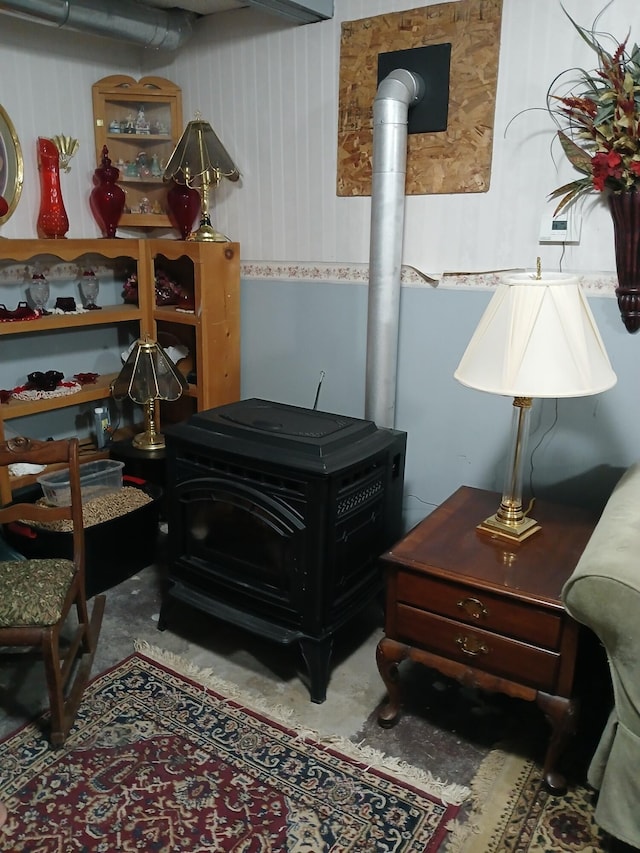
(162,762)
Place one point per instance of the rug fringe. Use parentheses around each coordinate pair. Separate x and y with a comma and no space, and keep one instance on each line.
(449,793)
(498,775)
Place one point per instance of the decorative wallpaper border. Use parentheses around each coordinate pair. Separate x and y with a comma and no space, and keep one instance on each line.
(596,284)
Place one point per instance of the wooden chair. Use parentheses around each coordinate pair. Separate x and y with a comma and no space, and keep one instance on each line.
(38,595)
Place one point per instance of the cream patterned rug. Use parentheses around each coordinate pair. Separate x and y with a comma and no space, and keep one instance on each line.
(511,811)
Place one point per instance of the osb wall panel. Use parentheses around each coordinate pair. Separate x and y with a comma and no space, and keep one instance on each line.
(457,160)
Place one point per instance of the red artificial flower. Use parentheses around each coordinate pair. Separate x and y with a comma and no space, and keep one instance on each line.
(598,119)
(605,165)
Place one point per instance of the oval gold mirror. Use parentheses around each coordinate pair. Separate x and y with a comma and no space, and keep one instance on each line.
(11,165)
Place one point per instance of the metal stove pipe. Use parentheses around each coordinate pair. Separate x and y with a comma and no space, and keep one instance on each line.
(399,91)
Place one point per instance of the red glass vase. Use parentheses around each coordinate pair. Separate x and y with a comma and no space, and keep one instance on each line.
(107,198)
(53,221)
(183,208)
(625,211)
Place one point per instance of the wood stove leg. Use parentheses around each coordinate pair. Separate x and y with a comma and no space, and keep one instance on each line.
(163,618)
(317,655)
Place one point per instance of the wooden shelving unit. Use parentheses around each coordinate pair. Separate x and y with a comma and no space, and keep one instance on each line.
(210,272)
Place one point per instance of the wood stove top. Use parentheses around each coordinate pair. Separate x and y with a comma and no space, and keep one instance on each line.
(282,433)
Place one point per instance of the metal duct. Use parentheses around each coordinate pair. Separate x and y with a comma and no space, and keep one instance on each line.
(396,93)
(125,20)
(300,13)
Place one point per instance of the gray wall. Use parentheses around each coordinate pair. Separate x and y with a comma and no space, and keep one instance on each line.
(577,449)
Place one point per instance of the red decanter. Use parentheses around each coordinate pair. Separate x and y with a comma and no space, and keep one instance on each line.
(107,198)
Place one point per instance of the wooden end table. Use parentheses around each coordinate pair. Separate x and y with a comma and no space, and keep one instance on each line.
(485,611)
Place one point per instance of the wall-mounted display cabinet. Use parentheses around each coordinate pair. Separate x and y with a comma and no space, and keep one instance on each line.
(93,341)
(140,122)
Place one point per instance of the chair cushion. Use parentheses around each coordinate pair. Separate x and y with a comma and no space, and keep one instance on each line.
(32,592)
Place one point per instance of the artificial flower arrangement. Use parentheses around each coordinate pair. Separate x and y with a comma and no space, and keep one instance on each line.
(599,119)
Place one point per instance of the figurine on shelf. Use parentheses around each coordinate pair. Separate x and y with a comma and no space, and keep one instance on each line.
(130,289)
(156,168)
(142,125)
(169,292)
(143,165)
(145,205)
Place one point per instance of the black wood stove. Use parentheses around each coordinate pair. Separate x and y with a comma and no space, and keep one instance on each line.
(277,516)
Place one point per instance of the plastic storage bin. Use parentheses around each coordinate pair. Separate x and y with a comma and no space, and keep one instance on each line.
(96,478)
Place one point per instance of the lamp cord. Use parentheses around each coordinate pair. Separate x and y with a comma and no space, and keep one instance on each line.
(548,430)
(542,438)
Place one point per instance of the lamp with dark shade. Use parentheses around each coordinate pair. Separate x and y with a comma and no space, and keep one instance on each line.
(199,161)
(148,375)
(537,338)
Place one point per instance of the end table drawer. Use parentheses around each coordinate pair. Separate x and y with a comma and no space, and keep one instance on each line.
(507,658)
(481,609)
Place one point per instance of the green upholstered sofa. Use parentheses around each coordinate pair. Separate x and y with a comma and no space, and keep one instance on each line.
(603,593)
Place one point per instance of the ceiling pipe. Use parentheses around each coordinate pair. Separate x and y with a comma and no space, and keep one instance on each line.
(125,20)
(396,94)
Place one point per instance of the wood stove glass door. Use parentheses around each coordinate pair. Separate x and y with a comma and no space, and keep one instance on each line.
(232,536)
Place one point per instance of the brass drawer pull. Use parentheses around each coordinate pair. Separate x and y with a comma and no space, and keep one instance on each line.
(472,646)
(473,608)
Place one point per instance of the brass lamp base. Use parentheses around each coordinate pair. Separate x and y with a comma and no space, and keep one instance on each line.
(148,440)
(510,521)
(512,531)
(206,233)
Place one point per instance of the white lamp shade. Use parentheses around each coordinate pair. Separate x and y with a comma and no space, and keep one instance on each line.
(537,338)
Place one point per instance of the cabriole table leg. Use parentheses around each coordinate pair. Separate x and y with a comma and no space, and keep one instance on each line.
(389,656)
(561,714)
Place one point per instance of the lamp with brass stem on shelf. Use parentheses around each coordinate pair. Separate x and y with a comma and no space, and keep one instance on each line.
(537,338)
(148,375)
(199,161)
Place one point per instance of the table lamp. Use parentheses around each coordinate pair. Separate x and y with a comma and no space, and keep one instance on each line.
(148,375)
(199,161)
(537,338)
